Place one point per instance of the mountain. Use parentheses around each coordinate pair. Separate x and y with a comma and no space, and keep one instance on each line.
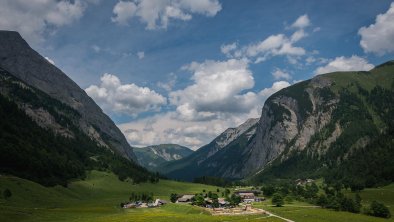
(153,156)
(213,158)
(18,58)
(48,130)
(338,125)
(325,126)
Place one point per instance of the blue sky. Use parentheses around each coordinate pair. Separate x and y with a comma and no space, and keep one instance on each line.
(182,71)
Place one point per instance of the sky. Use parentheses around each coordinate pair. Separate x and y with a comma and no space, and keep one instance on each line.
(183,71)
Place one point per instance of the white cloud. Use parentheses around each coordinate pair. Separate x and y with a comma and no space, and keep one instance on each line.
(129,99)
(379,37)
(141,55)
(281,74)
(123,10)
(276,86)
(168,128)
(298,35)
(33,18)
(273,45)
(227,49)
(158,13)
(301,22)
(193,133)
(342,63)
(169,85)
(217,89)
(49,60)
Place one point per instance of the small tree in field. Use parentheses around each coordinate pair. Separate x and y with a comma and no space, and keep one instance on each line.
(379,210)
(173,197)
(277,200)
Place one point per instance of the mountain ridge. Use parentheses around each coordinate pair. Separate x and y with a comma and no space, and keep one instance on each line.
(153,156)
(17,57)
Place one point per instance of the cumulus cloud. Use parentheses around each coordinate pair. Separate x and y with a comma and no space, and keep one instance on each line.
(273,45)
(167,127)
(301,22)
(123,11)
(193,133)
(281,74)
(227,49)
(36,17)
(379,37)
(276,86)
(342,63)
(130,99)
(217,88)
(158,13)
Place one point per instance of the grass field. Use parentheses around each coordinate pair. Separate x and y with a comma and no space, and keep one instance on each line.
(98,197)
(299,211)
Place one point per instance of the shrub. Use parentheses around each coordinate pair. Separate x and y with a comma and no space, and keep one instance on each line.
(7,193)
(277,200)
(379,210)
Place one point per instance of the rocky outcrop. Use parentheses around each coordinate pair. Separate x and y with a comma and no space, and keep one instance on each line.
(18,58)
(286,125)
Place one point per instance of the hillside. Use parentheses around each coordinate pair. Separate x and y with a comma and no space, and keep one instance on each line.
(344,129)
(213,158)
(319,127)
(152,156)
(40,139)
(18,58)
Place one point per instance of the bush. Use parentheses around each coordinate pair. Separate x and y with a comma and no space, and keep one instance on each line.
(277,200)
(7,193)
(379,210)
(173,197)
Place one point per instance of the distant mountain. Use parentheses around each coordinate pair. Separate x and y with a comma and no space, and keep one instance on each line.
(213,158)
(338,125)
(51,132)
(153,156)
(23,62)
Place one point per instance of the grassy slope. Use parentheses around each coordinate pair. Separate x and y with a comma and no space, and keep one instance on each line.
(97,199)
(299,211)
(382,194)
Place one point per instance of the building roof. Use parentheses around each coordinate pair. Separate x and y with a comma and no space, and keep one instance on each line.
(185,198)
(246,194)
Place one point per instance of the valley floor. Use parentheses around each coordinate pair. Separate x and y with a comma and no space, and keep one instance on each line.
(98,198)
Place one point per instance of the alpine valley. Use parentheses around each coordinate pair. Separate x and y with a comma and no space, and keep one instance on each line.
(177,110)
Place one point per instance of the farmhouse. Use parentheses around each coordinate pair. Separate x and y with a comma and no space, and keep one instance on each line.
(185,199)
(302,182)
(159,202)
(247,197)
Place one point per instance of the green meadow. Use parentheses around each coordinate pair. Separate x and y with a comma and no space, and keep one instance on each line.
(97,198)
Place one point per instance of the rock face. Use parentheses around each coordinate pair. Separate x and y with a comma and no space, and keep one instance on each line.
(152,156)
(18,58)
(289,119)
